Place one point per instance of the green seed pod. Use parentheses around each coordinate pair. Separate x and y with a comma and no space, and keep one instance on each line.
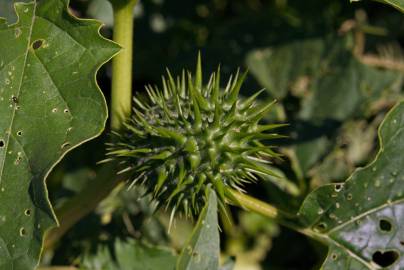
(191,136)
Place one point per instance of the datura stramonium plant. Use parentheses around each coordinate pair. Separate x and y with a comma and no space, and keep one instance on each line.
(188,137)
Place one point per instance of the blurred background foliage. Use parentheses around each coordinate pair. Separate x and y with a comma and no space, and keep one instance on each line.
(335,68)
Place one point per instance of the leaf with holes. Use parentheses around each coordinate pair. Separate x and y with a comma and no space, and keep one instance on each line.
(362,220)
(49,104)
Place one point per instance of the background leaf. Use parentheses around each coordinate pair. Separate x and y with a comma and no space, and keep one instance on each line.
(276,68)
(49,104)
(202,250)
(130,255)
(322,73)
(7,11)
(362,219)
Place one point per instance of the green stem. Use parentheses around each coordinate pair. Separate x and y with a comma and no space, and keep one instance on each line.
(83,203)
(252,204)
(286,219)
(121,97)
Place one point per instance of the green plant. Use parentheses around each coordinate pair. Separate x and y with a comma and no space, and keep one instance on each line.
(193,147)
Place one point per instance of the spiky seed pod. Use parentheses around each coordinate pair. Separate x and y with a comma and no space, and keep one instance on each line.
(190,136)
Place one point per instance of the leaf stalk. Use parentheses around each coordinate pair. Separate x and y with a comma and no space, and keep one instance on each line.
(121,92)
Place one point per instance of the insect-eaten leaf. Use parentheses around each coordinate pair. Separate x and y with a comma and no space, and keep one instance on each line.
(362,220)
(49,104)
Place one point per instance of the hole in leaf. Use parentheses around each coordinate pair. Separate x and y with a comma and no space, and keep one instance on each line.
(1,143)
(18,160)
(196,256)
(385,225)
(14,99)
(338,187)
(37,44)
(19,133)
(23,232)
(27,212)
(385,259)
(321,227)
(334,257)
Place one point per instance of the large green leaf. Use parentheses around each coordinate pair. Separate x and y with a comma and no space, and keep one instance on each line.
(130,255)
(49,104)
(203,249)
(362,220)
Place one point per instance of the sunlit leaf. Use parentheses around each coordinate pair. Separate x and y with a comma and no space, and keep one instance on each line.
(49,104)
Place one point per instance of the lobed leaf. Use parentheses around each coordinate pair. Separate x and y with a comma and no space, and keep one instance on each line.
(49,104)
(362,220)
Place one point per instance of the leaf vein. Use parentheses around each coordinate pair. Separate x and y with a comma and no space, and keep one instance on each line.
(8,131)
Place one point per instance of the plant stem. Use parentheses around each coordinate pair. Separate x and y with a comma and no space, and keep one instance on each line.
(252,204)
(255,205)
(83,203)
(121,97)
